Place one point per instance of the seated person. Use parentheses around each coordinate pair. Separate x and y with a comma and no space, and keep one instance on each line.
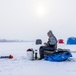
(51,45)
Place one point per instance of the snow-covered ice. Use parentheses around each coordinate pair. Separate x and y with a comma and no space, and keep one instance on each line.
(20,66)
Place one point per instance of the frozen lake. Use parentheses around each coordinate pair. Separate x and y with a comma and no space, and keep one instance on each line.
(20,48)
(8,48)
(19,65)
(17,49)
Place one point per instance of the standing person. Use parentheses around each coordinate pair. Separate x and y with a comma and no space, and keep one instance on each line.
(51,45)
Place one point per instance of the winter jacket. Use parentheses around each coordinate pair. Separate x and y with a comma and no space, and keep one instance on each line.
(52,40)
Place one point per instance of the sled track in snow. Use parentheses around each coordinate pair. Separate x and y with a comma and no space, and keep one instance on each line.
(73,51)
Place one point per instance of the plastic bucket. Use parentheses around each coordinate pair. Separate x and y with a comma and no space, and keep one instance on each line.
(30,54)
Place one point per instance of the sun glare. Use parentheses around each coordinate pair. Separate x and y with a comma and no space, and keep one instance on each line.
(41,11)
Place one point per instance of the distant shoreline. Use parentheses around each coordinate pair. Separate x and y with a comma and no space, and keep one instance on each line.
(11,41)
(17,42)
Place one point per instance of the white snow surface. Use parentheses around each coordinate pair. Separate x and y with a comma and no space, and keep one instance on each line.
(19,65)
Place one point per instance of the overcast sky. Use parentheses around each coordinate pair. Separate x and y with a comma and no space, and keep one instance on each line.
(31,19)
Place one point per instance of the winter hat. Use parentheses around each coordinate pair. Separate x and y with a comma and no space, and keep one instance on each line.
(50,32)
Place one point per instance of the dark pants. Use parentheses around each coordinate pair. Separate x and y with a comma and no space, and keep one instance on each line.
(45,48)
